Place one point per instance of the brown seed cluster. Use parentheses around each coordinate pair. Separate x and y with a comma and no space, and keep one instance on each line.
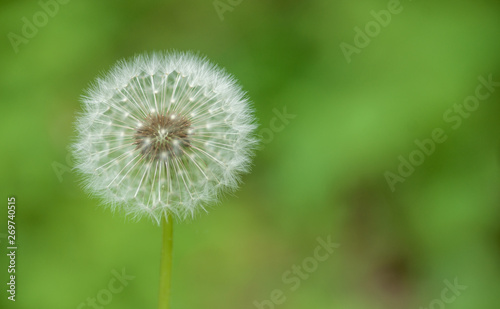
(161,136)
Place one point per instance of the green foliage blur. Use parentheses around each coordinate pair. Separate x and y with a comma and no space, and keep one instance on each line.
(331,169)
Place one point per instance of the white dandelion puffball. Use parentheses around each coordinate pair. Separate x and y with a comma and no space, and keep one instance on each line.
(164,134)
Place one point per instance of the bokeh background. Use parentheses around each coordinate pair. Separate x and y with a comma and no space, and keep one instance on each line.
(319,174)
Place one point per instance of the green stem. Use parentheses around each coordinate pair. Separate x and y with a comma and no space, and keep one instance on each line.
(166,262)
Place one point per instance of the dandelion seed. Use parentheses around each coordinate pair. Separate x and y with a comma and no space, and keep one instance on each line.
(154,137)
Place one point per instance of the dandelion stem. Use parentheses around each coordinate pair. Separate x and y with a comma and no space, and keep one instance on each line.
(166,262)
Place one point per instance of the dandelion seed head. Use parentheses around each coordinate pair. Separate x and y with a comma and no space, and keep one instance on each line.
(164,133)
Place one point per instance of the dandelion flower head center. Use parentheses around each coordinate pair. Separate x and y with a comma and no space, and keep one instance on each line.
(164,134)
(161,136)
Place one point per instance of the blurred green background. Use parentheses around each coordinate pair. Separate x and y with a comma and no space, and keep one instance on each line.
(320,174)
